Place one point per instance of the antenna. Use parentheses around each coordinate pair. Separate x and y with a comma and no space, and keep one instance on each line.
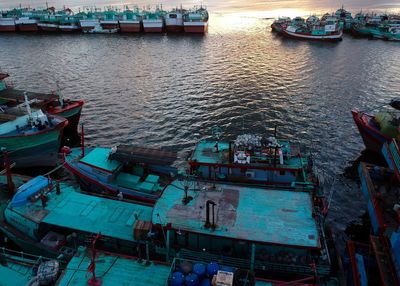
(28,107)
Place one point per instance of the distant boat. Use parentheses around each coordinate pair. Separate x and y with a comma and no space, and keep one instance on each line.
(327,29)
(196,21)
(153,21)
(174,21)
(279,24)
(130,21)
(134,172)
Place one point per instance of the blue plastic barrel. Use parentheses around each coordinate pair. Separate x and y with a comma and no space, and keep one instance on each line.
(186,267)
(191,280)
(200,270)
(177,279)
(212,269)
(205,282)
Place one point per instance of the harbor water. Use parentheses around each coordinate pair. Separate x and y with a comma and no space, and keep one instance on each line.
(170,90)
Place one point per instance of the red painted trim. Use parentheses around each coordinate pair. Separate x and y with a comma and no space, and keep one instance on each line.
(363,118)
(352,255)
(69,106)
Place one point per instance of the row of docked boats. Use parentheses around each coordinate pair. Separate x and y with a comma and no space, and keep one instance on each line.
(109,20)
(330,27)
(247,212)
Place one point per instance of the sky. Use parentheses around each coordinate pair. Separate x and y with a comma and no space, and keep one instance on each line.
(248,7)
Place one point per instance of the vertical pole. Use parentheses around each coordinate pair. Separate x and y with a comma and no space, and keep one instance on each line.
(167,244)
(10,184)
(82,141)
(253,256)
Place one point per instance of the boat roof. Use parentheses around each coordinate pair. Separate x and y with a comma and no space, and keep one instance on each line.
(243,213)
(204,153)
(75,210)
(113,270)
(99,158)
(127,153)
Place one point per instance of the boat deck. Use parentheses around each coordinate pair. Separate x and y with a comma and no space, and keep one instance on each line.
(74,210)
(17,96)
(242,213)
(98,158)
(205,153)
(113,270)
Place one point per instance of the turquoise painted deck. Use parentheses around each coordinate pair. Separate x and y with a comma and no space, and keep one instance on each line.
(244,213)
(98,157)
(114,270)
(75,210)
(14,274)
(204,153)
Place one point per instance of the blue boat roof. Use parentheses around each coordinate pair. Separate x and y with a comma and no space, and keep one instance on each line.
(98,157)
(72,209)
(113,270)
(204,153)
(243,213)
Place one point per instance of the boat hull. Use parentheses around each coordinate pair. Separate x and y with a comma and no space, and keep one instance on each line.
(28,27)
(174,28)
(69,28)
(72,112)
(153,26)
(327,38)
(48,28)
(195,27)
(109,25)
(373,138)
(34,150)
(129,27)
(7,28)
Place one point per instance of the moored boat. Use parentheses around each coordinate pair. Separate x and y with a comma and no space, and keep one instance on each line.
(7,24)
(328,29)
(196,20)
(346,18)
(109,20)
(69,23)
(53,103)
(174,21)
(127,171)
(26,24)
(279,24)
(153,21)
(33,139)
(211,221)
(252,159)
(53,218)
(376,130)
(130,21)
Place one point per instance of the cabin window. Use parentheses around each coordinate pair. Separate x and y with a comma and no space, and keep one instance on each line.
(282,173)
(204,242)
(173,16)
(193,241)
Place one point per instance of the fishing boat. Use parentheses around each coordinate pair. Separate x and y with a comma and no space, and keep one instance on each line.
(91,23)
(26,24)
(7,24)
(280,24)
(196,20)
(53,103)
(174,21)
(52,219)
(377,129)
(32,138)
(153,21)
(130,21)
(328,29)
(133,172)
(69,23)
(365,27)
(254,159)
(49,22)
(346,18)
(109,21)
(377,262)
(276,234)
